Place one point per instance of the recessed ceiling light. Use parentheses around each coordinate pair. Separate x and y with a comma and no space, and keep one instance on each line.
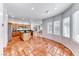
(32,8)
(47,11)
(55,8)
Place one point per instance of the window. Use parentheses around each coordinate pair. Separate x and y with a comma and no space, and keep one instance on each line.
(66,27)
(76,26)
(57,27)
(49,27)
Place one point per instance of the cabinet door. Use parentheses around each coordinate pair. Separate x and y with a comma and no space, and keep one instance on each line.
(66,27)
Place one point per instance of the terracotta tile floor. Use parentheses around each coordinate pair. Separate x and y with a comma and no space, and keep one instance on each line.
(68,42)
(37,46)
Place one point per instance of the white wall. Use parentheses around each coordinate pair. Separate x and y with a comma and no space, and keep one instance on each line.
(1,29)
(76,26)
(5,28)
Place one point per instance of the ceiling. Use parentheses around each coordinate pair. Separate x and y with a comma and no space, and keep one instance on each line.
(35,10)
